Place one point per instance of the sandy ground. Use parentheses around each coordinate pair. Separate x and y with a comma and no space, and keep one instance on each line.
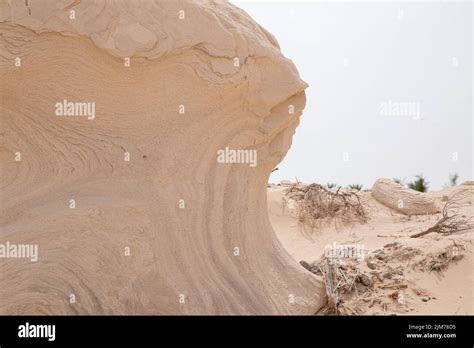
(418,290)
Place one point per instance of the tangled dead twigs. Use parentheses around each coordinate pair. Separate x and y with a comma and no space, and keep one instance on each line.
(451,221)
(316,203)
(340,279)
(440,261)
(381,279)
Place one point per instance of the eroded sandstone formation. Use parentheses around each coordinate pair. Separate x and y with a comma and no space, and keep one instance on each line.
(402,199)
(129,207)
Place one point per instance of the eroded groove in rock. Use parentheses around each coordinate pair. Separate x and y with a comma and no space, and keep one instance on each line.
(402,199)
(172,229)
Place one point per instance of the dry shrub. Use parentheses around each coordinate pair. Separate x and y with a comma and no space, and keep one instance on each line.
(316,204)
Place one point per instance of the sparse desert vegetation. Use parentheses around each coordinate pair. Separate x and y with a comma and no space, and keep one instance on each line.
(317,204)
(415,260)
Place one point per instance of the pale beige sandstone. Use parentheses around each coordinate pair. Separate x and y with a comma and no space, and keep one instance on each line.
(135,204)
(402,199)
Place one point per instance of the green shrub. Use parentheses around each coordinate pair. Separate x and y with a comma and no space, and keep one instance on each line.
(420,184)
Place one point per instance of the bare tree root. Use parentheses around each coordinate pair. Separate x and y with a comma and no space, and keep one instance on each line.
(340,278)
(451,221)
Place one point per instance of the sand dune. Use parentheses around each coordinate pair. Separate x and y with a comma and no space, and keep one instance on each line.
(404,273)
(112,117)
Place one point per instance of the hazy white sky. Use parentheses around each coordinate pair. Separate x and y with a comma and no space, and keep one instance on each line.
(390,88)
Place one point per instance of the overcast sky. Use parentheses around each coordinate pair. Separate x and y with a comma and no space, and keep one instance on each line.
(390,88)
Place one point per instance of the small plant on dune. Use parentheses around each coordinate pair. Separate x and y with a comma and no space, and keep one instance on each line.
(453,179)
(420,184)
(331,185)
(356,187)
